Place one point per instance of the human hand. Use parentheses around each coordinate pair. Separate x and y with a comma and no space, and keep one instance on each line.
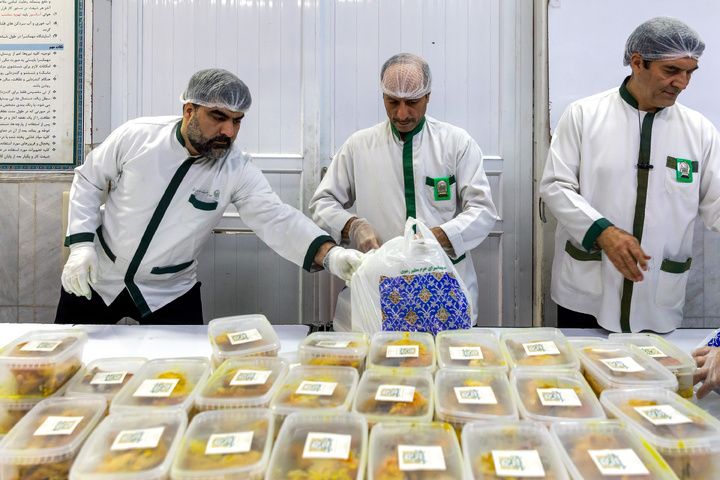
(624,252)
(708,372)
(342,262)
(80,269)
(364,235)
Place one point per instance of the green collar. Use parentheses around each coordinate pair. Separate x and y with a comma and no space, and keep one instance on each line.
(409,135)
(178,134)
(627,96)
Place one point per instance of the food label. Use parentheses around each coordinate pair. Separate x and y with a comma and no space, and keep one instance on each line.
(618,462)
(518,463)
(58,426)
(327,445)
(250,377)
(223,443)
(662,415)
(413,457)
(128,439)
(40,346)
(105,378)
(540,348)
(333,344)
(560,397)
(316,388)
(623,364)
(466,353)
(477,395)
(398,351)
(156,387)
(395,393)
(653,351)
(247,336)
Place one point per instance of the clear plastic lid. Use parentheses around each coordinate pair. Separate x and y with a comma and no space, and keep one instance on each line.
(402,350)
(538,348)
(163,383)
(322,389)
(12,410)
(607,449)
(315,445)
(344,349)
(395,395)
(464,394)
(225,444)
(105,376)
(554,395)
(248,335)
(510,449)
(131,446)
(620,365)
(476,347)
(242,382)
(421,451)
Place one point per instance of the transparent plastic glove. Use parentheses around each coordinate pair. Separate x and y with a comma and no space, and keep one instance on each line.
(708,372)
(364,235)
(80,269)
(342,262)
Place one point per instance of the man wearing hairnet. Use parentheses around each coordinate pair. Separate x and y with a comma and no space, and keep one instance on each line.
(168,181)
(410,165)
(627,173)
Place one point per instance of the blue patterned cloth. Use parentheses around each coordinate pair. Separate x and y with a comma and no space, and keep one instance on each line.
(714,341)
(423,302)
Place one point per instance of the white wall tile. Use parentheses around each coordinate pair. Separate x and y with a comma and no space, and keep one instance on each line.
(26,239)
(48,242)
(8,315)
(9,241)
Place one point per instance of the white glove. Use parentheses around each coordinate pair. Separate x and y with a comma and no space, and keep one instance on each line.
(342,262)
(80,268)
(364,235)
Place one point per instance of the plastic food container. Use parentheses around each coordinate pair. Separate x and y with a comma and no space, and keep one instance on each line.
(105,376)
(619,365)
(38,363)
(607,449)
(342,349)
(44,444)
(242,382)
(14,409)
(464,395)
(225,444)
(686,436)
(131,446)
(537,348)
(668,355)
(395,395)
(402,350)
(554,395)
(417,451)
(314,445)
(504,448)
(163,383)
(242,335)
(475,347)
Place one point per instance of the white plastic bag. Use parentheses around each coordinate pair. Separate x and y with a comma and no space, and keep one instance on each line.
(409,284)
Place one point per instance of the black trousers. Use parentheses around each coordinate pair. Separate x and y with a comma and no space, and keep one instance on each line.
(184,310)
(571,319)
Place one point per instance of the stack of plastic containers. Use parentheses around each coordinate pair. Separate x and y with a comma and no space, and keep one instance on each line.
(105,376)
(402,350)
(242,335)
(342,349)
(475,348)
(537,348)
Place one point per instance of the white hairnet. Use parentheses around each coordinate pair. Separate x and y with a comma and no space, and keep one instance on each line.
(663,38)
(405,76)
(217,88)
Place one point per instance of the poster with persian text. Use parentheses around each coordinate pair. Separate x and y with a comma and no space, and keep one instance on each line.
(41,79)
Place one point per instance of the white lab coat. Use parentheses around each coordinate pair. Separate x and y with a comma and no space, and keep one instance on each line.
(591,174)
(367,172)
(138,161)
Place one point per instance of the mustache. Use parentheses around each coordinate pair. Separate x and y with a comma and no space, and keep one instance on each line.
(221,139)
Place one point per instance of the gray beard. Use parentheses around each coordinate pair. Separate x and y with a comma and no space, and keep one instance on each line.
(203,145)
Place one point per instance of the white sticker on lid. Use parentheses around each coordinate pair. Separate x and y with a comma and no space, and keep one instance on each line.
(316,388)
(108,378)
(333,343)
(247,336)
(395,393)
(399,351)
(653,351)
(327,445)
(40,346)
(58,426)
(222,443)
(518,463)
(541,348)
(156,387)
(476,395)
(466,353)
(415,457)
(662,415)
(622,364)
(128,439)
(559,397)
(623,461)
(250,377)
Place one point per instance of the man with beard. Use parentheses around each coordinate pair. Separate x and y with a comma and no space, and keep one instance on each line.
(167,182)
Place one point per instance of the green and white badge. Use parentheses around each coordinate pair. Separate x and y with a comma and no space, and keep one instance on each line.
(442,188)
(684,171)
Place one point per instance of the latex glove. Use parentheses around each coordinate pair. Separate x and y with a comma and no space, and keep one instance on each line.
(364,235)
(342,262)
(80,269)
(708,372)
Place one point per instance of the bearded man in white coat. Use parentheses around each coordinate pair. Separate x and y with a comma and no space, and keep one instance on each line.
(627,173)
(168,181)
(410,165)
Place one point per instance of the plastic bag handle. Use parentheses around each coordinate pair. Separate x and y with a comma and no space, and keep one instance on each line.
(424,231)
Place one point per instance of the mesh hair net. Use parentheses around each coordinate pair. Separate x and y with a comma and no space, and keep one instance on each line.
(663,38)
(217,88)
(406,76)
